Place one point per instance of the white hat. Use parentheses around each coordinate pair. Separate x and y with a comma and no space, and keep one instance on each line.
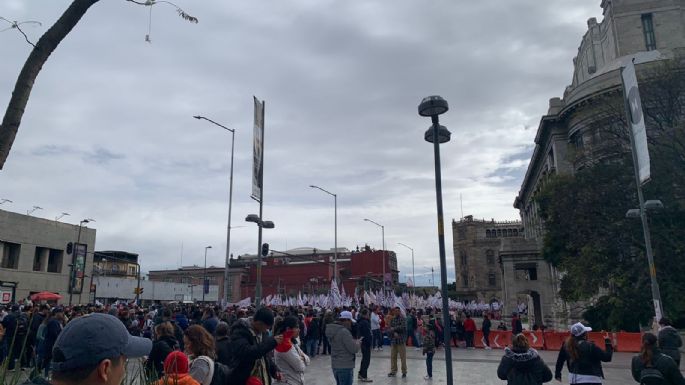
(347,315)
(579,329)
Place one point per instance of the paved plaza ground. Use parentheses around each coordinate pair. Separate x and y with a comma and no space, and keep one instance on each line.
(469,367)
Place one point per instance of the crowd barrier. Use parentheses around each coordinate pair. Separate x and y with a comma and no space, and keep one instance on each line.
(623,342)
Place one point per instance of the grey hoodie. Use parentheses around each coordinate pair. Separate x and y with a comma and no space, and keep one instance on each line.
(343,346)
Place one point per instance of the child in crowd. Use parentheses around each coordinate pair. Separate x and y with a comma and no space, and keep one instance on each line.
(176,368)
(429,349)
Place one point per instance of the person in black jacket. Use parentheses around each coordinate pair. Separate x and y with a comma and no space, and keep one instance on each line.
(250,346)
(669,340)
(583,358)
(522,365)
(223,348)
(651,357)
(163,345)
(364,329)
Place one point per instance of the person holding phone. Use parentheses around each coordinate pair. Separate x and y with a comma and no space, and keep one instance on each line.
(582,357)
(343,348)
(364,330)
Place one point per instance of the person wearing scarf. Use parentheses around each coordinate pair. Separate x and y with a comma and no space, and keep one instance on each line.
(288,356)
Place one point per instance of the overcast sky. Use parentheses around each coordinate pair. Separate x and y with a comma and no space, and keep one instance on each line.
(108,132)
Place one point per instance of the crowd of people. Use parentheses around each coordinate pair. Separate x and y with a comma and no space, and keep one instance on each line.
(190,344)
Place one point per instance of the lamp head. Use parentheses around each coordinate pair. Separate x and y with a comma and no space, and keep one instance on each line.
(433,106)
(443,135)
(654,205)
(197,117)
(633,213)
(268,225)
(253,218)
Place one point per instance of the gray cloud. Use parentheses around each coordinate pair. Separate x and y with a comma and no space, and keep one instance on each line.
(342,81)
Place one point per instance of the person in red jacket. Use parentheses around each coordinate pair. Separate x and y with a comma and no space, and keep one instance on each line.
(470,330)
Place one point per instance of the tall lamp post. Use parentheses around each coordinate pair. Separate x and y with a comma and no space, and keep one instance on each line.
(413,275)
(434,106)
(383,238)
(261,225)
(205,285)
(73,259)
(230,204)
(335,208)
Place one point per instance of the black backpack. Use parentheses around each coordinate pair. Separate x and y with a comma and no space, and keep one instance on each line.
(22,324)
(222,374)
(650,375)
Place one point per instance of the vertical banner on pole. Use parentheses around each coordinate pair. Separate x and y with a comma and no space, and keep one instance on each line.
(258,151)
(637,121)
(78,268)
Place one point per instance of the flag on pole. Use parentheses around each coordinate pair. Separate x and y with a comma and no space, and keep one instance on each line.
(335,294)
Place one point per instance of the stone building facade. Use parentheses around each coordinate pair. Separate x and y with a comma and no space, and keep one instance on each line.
(577,131)
(476,246)
(34,258)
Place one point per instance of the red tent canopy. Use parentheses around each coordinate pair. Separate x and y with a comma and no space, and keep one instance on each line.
(45,296)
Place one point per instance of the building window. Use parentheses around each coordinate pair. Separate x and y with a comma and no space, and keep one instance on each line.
(131,270)
(499,232)
(516,232)
(10,255)
(55,258)
(577,140)
(648,29)
(490,254)
(487,233)
(492,280)
(461,233)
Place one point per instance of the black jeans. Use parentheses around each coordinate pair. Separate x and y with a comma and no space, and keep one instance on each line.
(366,360)
(326,346)
(486,337)
(429,364)
(469,339)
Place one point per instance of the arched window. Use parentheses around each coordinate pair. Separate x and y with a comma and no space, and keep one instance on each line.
(516,232)
(499,232)
(487,233)
(510,232)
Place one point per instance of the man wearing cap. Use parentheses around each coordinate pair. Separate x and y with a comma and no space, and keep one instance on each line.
(582,357)
(398,334)
(93,349)
(343,348)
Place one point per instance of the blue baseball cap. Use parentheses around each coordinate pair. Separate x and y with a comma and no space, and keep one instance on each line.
(90,339)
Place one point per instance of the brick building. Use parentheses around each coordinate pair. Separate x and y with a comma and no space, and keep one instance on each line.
(309,270)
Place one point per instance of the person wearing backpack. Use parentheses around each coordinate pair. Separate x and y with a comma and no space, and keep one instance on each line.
(522,365)
(164,344)
(199,345)
(669,340)
(652,367)
(582,357)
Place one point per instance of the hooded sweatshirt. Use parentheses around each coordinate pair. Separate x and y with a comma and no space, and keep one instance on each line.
(523,367)
(343,346)
(670,342)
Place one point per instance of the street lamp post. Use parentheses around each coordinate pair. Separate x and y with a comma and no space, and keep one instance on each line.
(413,275)
(230,204)
(204,275)
(335,230)
(261,225)
(29,212)
(383,240)
(645,206)
(57,218)
(434,106)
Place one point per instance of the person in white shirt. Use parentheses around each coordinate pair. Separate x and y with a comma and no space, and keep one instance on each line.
(377,343)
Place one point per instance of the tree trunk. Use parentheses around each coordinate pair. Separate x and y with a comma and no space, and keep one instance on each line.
(22,89)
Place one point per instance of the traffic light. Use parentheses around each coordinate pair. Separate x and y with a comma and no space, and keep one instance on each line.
(265,249)
(141,290)
(138,290)
(70,248)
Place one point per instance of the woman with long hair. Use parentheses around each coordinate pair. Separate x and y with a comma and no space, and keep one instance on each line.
(582,357)
(522,365)
(199,346)
(670,341)
(164,344)
(653,366)
(289,358)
